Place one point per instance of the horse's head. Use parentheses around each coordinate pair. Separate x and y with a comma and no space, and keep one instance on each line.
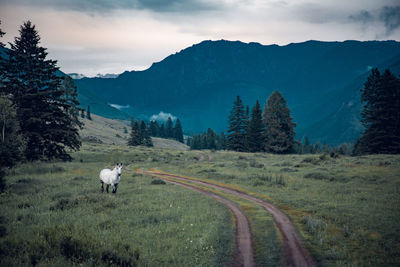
(119,169)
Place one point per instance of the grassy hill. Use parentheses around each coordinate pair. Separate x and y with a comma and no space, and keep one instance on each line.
(116,132)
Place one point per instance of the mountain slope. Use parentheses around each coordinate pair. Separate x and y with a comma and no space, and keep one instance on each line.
(199,83)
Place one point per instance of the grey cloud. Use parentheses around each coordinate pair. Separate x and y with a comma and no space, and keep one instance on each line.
(105,6)
(318,13)
(390,16)
(363,16)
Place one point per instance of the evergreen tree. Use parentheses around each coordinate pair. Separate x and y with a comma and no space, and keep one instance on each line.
(325,148)
(71,97)
(380,114)
(255,130)
(317,148)
(222,141)
(12,143)
(1,35)
(195,143)
(203,141)
(178,132)
(279,133)
(169,132)
(307,147)
(162,131)
(237,127)
(211,139)
(2,63)
(154,129)
(42,109)
(135,138)
(82,114)
(247,122)
(298,147)
(145,133)
(88,116)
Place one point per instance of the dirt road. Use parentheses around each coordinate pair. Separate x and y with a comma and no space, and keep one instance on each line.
(294,252)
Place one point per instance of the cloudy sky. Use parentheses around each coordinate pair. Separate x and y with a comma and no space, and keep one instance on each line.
(101,36)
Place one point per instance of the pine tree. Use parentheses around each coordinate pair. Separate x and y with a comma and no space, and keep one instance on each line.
(237,127)
(82,114)
(154,129)
(146,139)
(162,131)
(380,115)
(12,143)
(325,148)
(2,62)
(222,141)
(317,148)
(71,97)
(42,109)
(178,132)
(211,137)
(169,132)
(135,138)
(88,116)
(1,35)
(255,130)
(307,147)
(195,143)
(279,133)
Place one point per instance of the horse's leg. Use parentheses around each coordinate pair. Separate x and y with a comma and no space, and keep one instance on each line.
(115,188)
(107,187)
(102,186)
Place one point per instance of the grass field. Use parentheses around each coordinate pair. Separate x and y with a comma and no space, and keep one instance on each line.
(346,209)
(54,214)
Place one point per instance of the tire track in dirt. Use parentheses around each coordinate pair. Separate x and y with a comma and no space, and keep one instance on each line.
(294,251)
(245,255)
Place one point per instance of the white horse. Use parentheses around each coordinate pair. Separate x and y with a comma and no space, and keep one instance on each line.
(111,177)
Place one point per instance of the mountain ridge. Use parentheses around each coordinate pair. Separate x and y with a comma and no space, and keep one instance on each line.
(199,83)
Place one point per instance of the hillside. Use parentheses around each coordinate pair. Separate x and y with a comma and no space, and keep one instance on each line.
(199,83)
(110,131)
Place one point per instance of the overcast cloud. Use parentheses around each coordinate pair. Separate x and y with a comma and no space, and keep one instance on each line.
(99,36)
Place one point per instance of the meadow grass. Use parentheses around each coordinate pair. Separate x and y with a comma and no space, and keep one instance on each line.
(54,214)
(266,238)
(345,208)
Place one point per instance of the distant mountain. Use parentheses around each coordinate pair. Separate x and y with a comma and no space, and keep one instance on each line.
(76,76)
(107,76)
(199,84)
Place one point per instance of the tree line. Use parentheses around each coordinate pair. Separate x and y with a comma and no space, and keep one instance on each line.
(141,132)
(270,131)
(207,140)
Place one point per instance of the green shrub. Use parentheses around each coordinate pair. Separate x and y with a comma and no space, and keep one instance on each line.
(157,181)
(318,176)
